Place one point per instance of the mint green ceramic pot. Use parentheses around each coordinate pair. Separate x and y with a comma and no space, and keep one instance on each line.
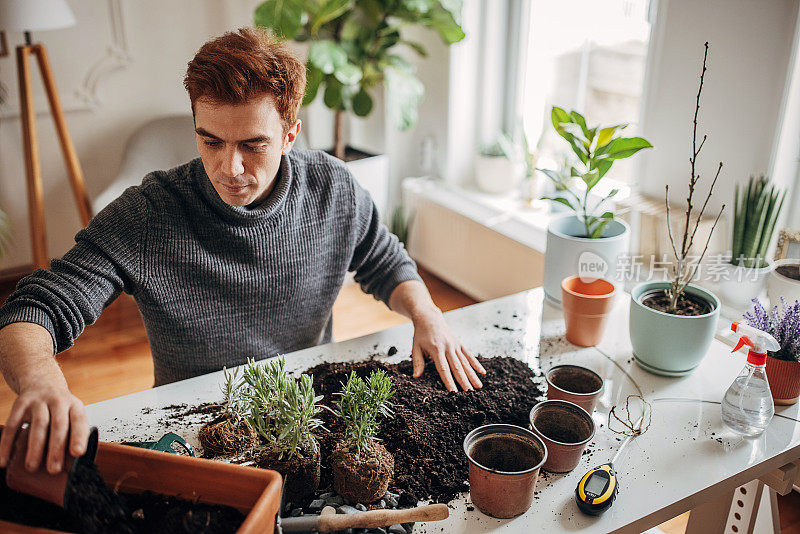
(670,345)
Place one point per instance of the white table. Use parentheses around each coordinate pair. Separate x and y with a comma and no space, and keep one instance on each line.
(687,457)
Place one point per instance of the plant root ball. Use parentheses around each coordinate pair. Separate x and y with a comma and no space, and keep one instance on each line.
(227,435)
(300,473)
(361,478)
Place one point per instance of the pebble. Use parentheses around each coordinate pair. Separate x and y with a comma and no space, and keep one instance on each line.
(390,500)
(327,496)
(297,512)
(391,494)
(376,531)
(409,527)
(316,505)
(328,510)
(397,529)
(382,504)
(334,500)
(361,507)
(288,508)
(347,509)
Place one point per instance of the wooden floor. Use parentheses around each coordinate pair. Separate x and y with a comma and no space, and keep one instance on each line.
(112,358)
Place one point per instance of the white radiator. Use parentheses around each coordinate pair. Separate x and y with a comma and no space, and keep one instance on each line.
(481,250)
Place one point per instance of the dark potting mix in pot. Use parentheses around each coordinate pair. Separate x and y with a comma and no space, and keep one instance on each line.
(505,452)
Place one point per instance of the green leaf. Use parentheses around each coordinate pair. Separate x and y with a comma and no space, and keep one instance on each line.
(553,175)
(333,97)
(348,74)
(607,215)
(351,29)
(590,179)
(603,166)
(562,200)
(625,147)
(362,103)
(580,121)
(404,93)
(283,17)
(326,55)
(597,232)
(606,134)
(443,21)
(389,38)
(420,6)
(418,48)
(313,79)
(329,11)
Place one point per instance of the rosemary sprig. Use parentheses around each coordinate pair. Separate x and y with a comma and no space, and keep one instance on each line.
(361,403)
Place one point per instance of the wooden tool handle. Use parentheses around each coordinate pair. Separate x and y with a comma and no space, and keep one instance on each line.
(383,518)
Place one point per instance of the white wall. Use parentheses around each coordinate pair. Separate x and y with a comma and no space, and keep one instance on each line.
(750,49)
(161,38)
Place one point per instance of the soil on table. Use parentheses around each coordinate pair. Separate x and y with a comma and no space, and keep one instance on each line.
(301,472)
(562,426)
(227,434)
(361,477)
(427,432)
(92,507)
(688,305)
(789,271)
(576,380)
(506,452)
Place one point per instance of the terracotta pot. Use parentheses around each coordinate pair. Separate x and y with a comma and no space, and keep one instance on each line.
(586,308)
(784,381)
(565,428)
(504,462)
(576,384)
(254,492)
(40,483)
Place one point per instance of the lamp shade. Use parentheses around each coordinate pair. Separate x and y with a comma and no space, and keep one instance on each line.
(35,15)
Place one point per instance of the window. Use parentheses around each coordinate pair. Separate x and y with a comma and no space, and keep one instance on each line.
(587,55)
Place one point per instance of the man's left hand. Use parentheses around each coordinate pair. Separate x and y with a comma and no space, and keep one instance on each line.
(433,338)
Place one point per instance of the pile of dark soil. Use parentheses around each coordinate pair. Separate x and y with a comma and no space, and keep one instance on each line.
(93,508)
(688,305)
(789,271)
(427,432)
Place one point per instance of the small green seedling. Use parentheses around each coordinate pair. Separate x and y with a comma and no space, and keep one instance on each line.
(361,403)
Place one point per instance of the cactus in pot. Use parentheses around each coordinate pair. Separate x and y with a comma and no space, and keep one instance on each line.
(757,211)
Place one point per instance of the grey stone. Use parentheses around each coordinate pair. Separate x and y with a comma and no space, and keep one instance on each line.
(391,494)
(327,495)
(409,527)
(334,500)
(297,512)
(361,507)
(391,501)
(328,510)
(382,504)
(397,529)
(288,507)
(376,531)
(347,509)
(316,505)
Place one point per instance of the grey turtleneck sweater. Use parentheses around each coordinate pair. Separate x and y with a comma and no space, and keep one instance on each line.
(216,284)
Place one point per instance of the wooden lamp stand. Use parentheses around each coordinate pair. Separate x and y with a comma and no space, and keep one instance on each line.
(30,144)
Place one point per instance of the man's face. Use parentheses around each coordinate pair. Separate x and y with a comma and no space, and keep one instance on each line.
(241,147)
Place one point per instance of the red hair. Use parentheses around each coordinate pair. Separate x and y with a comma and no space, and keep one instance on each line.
(245,64)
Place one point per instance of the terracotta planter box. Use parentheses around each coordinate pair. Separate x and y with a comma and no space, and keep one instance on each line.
(784,381)
(254,492)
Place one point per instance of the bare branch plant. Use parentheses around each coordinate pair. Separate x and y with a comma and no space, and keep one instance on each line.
(684,269)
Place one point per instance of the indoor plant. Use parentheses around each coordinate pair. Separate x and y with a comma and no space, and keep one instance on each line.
(352,50)
(499,167)
(783,281)
(283,411)
(230,432)
(756,212)
(672,323)
(362,467)
(783,367)
(589,232)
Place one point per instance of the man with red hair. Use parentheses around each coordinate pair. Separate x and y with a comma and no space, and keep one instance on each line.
(237,254)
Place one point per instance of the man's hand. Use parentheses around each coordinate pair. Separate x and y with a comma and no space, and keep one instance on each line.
(55,415)
(45,402)
(432,337)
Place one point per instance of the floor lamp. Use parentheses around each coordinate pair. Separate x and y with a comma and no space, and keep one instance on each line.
(28,16)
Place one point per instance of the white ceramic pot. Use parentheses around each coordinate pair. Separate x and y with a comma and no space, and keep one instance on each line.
(498,175)
(738,286)
(781,286)
(568,255)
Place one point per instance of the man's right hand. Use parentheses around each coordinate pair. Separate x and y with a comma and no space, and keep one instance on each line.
(55,415)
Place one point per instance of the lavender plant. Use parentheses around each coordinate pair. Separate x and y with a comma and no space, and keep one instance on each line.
(361,404)
(783,323)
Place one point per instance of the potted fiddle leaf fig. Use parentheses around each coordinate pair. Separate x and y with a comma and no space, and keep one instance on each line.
(353,50)
(590,240)
(672,323)
(362,467)
(757,211)
(283,411)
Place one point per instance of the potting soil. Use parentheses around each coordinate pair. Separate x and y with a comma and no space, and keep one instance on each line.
(427,432)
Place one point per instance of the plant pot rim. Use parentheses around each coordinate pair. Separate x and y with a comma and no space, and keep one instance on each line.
(771,357)
(502,428)
(770,265)
(612,294)
(571,406)
(785,261)
(565,365)
(704,293)
(626,230)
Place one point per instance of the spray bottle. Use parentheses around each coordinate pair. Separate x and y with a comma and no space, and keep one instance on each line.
(747,407)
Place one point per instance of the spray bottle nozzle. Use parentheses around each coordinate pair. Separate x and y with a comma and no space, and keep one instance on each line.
(759,341)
